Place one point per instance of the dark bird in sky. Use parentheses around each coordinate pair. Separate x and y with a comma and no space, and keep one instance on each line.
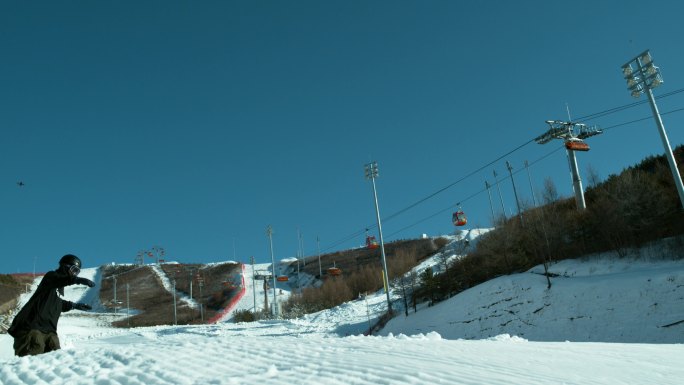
(20,184)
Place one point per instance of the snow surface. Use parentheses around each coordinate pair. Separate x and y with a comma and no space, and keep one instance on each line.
(510,330)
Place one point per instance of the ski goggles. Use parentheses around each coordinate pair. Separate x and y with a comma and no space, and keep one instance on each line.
(74,270)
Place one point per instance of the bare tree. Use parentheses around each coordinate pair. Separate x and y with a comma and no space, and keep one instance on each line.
(550,193)
(593,178)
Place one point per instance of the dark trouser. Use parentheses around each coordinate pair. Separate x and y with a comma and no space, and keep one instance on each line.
(35,342)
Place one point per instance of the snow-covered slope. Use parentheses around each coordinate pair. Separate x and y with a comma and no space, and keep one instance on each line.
(603,299)
(596,299)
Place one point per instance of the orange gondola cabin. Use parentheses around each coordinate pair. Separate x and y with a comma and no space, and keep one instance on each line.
(459,218)
(371,242)
(576,144)
(282,278)
(334,271)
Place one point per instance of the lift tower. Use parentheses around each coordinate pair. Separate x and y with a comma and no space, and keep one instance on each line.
(573,134)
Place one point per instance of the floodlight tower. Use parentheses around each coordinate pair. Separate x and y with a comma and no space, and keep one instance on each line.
(573,134)
(372,173)
(642,76)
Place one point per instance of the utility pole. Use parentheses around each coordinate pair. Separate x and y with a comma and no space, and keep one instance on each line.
(300,257)
(128,304)
(301,246)
(491,206)
(642,76)
(515,192)
(573,134)
(190,284)
(318,244)
(527,167)
(253,283)
(266,308)
(372,173)
(498,187)
(200,283)
(269,233)
(175,315)
(116,305)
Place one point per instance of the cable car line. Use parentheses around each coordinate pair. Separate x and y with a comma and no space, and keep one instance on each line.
(584,118)
(390,217)
(451,207)
(624,107)
(473,195)
(458,181)
(642,119)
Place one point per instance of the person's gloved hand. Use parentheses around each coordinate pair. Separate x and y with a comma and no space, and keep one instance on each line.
(84,281)
(82,306)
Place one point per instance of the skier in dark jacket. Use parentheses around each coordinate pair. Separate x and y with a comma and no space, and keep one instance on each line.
(35,327)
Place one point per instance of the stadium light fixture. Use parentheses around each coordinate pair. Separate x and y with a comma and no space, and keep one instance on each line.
(642,76)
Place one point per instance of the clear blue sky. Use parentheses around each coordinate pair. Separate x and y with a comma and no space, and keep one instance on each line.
(195,125)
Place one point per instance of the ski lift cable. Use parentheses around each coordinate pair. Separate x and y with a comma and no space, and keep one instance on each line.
(440,212)
(642,119)
(624,107)
(473,195)
(503,156)
(458,181)
(356,234)
(432,195)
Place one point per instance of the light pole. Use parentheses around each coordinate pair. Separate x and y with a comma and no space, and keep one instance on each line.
(573,134)
(269,233)
(372,173)
(642,76)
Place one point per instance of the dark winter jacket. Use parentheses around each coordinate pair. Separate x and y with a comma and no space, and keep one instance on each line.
(42,311)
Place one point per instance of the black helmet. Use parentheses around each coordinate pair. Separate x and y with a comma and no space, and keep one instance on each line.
(70,260)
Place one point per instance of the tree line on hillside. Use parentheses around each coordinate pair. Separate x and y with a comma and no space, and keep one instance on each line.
(624,212)
(357,280)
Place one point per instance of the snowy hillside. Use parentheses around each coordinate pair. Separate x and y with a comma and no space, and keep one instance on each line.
(596,299)
(604,299)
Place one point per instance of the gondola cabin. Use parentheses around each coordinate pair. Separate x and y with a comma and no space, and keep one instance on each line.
(334,271)
(371,242)
(575,144)
(282,278)
(459,218)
